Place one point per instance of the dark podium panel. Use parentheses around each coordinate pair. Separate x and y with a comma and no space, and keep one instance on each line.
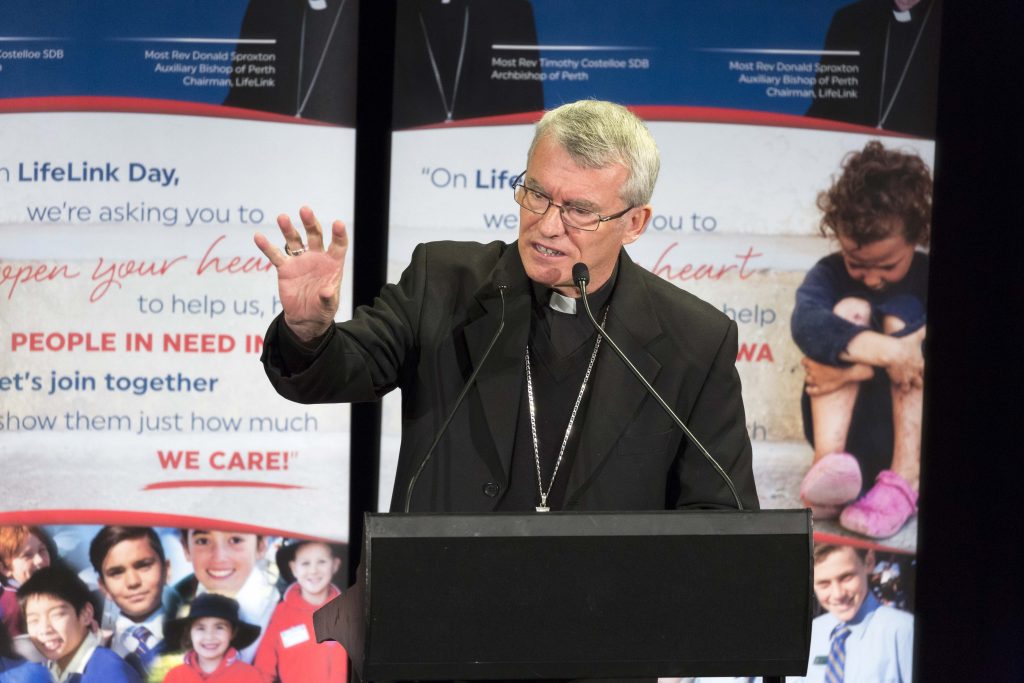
(578,595)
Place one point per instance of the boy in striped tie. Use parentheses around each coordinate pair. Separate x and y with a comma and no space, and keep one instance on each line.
(132,570)
(857,639)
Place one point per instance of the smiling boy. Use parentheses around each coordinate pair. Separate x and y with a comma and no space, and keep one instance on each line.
(23,551)
(857,639)
(59,620)
(289,651)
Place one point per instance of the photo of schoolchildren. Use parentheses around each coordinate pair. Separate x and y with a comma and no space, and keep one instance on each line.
(289,652)
(58,613)
(100,600)
(228,563)
(860,321)
(24,550)
(212,635)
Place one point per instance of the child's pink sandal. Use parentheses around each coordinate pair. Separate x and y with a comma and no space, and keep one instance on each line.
(883,510)
(831,482)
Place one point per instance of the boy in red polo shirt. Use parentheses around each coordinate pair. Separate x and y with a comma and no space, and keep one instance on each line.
(289,652)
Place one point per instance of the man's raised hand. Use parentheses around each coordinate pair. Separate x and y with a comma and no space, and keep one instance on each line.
(308,280)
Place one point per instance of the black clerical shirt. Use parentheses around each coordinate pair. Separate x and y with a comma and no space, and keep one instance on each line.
(561,346)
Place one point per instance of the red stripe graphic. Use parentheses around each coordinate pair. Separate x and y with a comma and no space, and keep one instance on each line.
(213,483)
(130,518)
(688,114)
(836,539)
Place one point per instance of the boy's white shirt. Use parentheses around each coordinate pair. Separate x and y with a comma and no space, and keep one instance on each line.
(78,662)
(256,602)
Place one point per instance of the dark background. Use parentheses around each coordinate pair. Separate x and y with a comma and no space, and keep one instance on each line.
(971,550)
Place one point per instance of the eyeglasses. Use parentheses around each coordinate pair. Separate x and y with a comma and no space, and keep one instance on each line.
(537,202)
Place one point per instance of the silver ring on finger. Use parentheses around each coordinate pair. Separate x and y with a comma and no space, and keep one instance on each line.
(295,252)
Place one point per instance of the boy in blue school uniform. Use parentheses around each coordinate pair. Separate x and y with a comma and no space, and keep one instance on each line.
(58,615)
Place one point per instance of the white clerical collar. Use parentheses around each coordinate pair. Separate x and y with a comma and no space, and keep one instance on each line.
(902,16)
(562,303)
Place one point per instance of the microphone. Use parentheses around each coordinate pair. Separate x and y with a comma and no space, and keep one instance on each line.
(581,278)
(502,288)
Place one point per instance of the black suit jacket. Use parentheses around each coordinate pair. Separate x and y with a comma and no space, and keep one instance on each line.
(428,332)
(862,27)
(429,29)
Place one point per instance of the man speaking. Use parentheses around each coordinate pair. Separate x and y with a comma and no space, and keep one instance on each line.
(554,420)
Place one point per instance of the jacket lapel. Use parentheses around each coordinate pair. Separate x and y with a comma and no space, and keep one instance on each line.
(499,383)
(617,394)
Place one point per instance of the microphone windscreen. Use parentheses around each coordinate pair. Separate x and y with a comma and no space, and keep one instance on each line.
(580,272)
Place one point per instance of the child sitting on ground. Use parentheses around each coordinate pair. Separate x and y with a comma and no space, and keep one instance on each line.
(860,321)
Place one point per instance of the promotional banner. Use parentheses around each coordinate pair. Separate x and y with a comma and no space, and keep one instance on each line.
(794,196)
(142,149)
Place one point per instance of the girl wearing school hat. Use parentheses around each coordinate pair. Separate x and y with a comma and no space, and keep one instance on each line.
(212,634)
